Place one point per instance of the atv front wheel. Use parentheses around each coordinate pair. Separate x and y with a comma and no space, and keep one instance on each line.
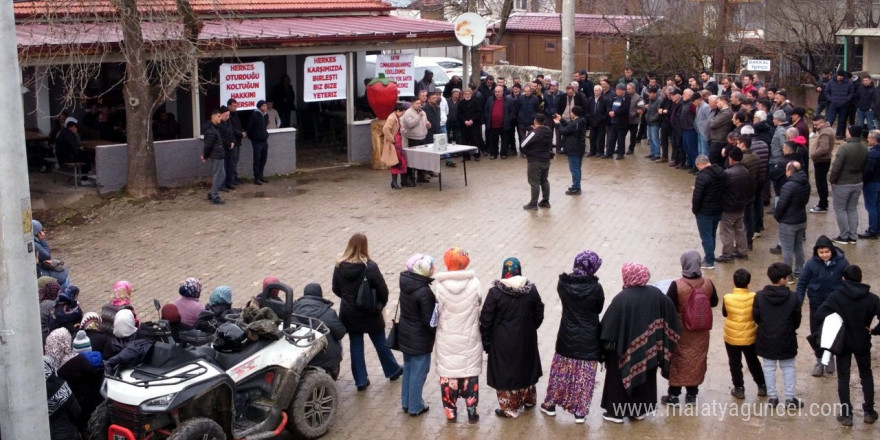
(99,422)
(198,429)
(314,405)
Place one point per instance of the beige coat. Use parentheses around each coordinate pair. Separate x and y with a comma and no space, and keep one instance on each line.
(389,130)
(458,350)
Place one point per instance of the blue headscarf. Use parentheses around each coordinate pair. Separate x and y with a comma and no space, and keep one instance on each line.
(37,227)
(221,295)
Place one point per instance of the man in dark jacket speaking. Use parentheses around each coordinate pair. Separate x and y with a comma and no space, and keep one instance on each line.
(313,305)
(538,146)
(707,204)
(259,136)
(791,213)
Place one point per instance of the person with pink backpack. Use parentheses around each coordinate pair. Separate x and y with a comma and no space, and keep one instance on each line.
(693,296)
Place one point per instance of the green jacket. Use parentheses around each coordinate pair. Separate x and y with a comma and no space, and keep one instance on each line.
(849,163)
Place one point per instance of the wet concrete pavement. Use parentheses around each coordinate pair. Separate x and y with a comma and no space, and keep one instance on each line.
(294,228)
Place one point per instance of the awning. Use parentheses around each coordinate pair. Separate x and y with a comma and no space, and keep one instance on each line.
(242,34)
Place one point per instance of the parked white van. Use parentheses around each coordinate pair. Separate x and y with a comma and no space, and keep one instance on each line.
(421,65)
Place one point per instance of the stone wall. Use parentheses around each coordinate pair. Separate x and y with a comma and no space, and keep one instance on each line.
(525,73)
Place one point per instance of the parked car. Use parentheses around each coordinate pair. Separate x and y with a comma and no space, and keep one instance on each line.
(421,65)
(452,66)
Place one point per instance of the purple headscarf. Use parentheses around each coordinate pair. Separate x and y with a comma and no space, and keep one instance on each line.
(586,263)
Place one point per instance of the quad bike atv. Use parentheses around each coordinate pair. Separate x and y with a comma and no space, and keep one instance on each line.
(231,389)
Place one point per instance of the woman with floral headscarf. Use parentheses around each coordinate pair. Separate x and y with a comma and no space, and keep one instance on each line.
(578,350)
(76,370)
(509,323)
(91,324)
(415,333)
(640,330)
(188,302)
(64,410)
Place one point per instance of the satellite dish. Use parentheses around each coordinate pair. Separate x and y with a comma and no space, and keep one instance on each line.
(470,29)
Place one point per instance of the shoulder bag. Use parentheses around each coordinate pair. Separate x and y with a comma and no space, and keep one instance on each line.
(366,297)
(391,341)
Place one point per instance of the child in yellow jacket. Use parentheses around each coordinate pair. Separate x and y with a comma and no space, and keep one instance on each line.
(739,334)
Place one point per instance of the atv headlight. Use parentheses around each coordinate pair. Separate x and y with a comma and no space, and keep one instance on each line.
(158,404)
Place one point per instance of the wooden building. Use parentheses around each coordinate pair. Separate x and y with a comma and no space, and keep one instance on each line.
(534,39)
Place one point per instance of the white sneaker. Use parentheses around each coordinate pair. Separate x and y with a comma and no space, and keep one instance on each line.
(580,419)
(611,419)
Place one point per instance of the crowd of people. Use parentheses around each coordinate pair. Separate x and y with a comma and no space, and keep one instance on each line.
(681,117)
(450,319)
(740,141)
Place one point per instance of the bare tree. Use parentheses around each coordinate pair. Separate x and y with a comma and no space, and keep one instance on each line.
(804,32)
(158,42)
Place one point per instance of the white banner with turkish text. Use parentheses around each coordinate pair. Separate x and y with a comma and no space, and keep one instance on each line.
(243,82)
(758,65)
(399,67)
(325,78)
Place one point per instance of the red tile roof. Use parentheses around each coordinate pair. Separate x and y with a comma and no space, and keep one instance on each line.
(266,32)
(91,8)
(549,23)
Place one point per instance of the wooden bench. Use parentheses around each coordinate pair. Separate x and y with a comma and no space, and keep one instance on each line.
(70,169)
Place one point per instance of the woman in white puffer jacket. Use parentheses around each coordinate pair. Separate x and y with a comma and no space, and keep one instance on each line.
(458,349)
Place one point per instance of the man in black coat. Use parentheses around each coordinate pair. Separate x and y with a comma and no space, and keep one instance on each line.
(791,213)
(432,111)
(618,123)
(231,163)
(538,147)
(256,131)
(572,98)
(740,188)
(573,145)
(857,306)
(313,305)
(229,146)
(215,152)
(596,114)
(68,150)
(778,315)
(707,205)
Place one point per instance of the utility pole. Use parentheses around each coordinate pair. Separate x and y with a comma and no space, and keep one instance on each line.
(567,18)
(23,410)
(474,58)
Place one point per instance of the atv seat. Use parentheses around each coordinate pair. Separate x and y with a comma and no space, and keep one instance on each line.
(163,358)
(229,360)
